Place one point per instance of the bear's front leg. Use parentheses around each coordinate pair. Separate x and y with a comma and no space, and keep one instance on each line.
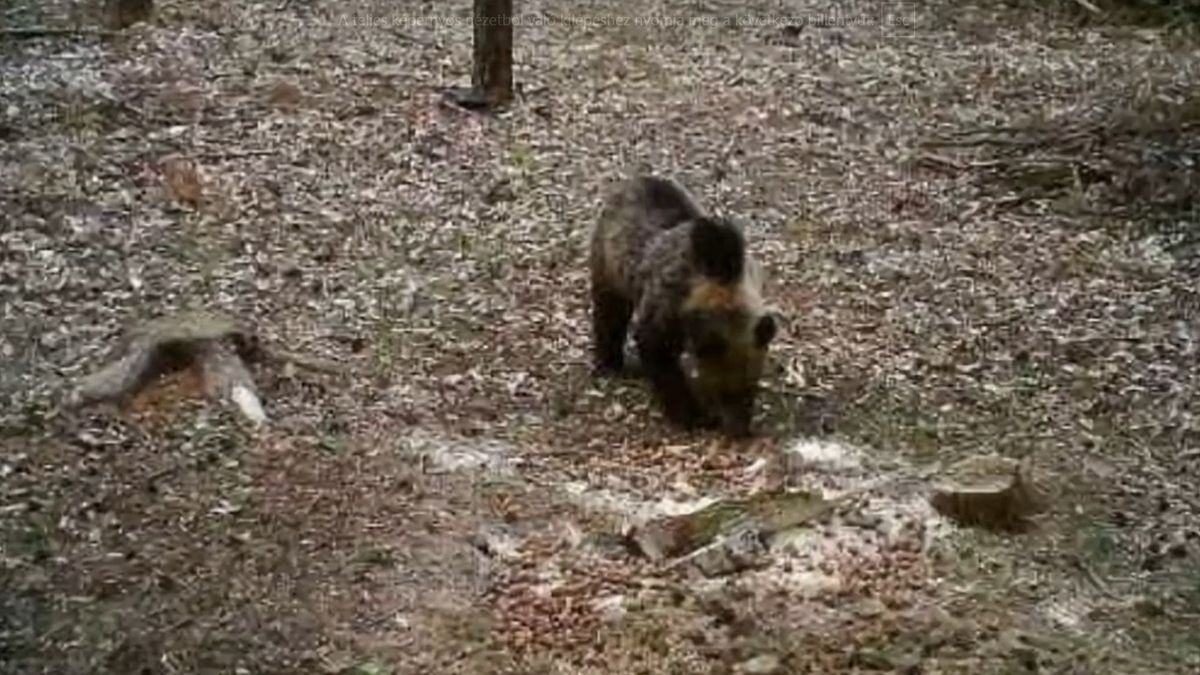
(659,352)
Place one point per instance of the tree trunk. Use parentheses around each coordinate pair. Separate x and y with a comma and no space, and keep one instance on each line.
(492,77)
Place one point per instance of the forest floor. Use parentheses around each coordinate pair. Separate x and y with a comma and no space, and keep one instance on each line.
(452,502)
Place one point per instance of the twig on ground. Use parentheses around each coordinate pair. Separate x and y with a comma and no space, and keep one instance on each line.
(937,161)
(34,32)
(234,154)
(1094,578)
(312,363)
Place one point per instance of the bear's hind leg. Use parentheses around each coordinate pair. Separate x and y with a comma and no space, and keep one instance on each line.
(611,313)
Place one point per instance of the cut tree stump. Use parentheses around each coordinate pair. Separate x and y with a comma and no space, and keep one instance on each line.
(215,347)
(988,491)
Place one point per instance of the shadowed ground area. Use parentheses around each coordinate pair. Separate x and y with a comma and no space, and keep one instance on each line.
(977,221)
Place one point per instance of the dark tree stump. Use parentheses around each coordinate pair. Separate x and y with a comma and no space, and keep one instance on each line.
(491,79)
(121,14)
(493,50)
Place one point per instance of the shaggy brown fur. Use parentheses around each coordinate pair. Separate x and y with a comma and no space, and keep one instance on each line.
(684,280)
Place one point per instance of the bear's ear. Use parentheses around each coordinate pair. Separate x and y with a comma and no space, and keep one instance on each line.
(765,329)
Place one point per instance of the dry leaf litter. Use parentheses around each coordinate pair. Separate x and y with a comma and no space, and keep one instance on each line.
(944,298)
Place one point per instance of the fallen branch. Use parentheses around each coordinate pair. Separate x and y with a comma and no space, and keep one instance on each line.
(936,161)
(312,363)
(41,31)
(763,514)
(233,154)
(413,39)
(1035,135)
(1094,578)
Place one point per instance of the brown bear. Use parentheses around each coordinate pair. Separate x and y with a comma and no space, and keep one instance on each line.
(686,282)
